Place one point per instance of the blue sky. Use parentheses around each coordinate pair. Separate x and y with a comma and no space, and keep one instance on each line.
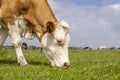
(92,22)
(94,2)
(87,2)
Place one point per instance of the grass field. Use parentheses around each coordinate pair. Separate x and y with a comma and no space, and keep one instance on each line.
(85,65)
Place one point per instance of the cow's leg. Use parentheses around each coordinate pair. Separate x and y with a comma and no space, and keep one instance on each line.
(3,35)
(17,42)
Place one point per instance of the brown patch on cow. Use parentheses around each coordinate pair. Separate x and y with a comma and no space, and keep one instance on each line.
(50,26)
(36,12)
(9,11)
(24,6)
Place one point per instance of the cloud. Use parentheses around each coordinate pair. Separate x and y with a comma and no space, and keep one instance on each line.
(115,7)
(115,19)
(90,25)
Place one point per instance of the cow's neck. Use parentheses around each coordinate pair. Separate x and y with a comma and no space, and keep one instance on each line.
(44,13)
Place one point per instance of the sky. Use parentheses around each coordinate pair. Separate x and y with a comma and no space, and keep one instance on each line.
(92,22)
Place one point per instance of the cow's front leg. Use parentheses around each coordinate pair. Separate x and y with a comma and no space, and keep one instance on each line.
(17,42)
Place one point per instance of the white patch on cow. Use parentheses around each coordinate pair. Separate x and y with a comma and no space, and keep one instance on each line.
(23,29)
(60,32)
(103,48)
(16,40)
(55,45)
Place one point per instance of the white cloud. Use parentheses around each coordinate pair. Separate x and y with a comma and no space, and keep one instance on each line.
(115,7)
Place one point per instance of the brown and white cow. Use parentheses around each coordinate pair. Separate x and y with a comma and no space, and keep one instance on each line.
(26,18)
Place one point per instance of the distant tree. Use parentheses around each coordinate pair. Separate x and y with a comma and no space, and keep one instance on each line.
(24,45)
(112,48)
(118,48)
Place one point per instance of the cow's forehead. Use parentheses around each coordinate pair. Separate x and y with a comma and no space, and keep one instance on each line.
(64,24)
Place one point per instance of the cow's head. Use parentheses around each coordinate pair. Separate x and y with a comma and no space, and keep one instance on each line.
(55,44)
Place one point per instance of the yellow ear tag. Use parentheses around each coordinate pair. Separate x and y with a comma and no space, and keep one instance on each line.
(40,38)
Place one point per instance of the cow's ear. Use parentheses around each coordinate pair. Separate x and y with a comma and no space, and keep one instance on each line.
(50,26)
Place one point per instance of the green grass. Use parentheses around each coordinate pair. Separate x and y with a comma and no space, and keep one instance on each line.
(85,65)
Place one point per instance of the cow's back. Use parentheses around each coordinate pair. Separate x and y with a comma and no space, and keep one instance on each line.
(11,9)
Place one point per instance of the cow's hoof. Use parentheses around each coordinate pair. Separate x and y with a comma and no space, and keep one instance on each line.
(22,61)
(24,64)
(53,65)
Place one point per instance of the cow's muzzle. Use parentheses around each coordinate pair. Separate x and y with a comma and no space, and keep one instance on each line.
(66,65)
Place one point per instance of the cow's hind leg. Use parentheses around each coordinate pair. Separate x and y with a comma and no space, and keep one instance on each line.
(17,42)
(3,35)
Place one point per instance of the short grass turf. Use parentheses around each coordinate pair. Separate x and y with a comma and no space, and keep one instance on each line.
(85,65)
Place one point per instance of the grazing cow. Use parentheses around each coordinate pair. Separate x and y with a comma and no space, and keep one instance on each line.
(87,48)
(103,48)
(29,18)
(24,45)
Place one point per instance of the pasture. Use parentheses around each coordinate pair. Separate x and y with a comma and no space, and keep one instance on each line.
(85,65)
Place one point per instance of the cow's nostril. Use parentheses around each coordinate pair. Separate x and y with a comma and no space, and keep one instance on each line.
(66,64)
(59,41)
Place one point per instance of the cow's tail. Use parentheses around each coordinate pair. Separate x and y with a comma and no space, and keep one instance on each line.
(3,35)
